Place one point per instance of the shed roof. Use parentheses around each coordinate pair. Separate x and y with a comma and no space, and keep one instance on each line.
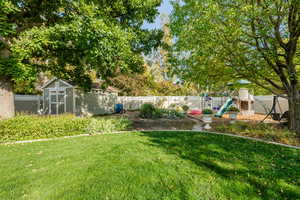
(95,85)
(56,79)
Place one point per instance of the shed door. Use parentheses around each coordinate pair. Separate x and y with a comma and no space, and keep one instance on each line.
(57,102)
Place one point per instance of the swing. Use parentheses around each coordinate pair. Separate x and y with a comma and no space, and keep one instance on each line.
(274,114)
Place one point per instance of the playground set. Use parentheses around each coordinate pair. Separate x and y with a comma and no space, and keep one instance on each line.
(244,101)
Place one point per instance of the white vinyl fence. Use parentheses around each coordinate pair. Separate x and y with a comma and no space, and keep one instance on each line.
(97,105)
(193,102)
(28,103)
(263,104)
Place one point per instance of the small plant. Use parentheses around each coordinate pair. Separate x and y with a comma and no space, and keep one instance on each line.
(207,111)
(149,111)
(107,125)
(161,102)
(178,108)
(185,108)
(171,114)
(173,105)
(233,109)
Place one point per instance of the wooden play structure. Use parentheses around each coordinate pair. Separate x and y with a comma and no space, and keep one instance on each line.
(245,102)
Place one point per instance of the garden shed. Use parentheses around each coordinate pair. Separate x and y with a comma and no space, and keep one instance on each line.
(60,97)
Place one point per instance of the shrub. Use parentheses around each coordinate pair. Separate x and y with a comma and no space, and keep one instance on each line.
(161,102)
(233,109)
(149,111)
(173,105)
(207,111)
(107,125)
(23,127)
(171,114)
(26,127)
(185,108)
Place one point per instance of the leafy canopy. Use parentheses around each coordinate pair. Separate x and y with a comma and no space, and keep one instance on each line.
(220,40)
(72,38)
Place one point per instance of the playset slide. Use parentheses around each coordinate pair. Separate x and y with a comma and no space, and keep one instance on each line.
(224,108)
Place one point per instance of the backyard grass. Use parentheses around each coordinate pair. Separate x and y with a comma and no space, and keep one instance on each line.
(152,165)
(27,127)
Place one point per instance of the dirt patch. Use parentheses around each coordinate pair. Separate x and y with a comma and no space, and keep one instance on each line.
(253,119)
(187,123)
(163,124)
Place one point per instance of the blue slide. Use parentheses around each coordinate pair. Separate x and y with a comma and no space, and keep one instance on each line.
(224,108)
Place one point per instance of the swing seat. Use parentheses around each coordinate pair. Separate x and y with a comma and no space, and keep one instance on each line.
(279,117)
(285,115)
(276,116)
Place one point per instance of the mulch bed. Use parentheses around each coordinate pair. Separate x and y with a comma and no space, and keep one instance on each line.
(186,123)
(141,124)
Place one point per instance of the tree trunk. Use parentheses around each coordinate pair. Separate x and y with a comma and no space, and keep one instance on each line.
(294,109)
(297,115)
(7,103)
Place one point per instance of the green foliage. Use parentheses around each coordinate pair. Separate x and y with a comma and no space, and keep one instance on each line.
(70,39)
(185,108)
(149,111)
(264,131)
(233,109)
(221,41)
(207,111)
(107,125)
(25,127)
(171,114)
(6,8)
(145,85)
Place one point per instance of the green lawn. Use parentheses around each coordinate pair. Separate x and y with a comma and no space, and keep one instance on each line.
(157,165)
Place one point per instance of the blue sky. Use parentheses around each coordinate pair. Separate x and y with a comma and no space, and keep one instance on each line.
(165,8)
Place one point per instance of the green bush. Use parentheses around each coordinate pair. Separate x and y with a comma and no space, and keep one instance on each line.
(233,109)
(171,114)
(207,111)
(148,111)
(185,108)
(107,125)
(26,127)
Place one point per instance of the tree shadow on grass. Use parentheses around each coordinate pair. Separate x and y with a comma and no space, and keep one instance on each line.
(270,171)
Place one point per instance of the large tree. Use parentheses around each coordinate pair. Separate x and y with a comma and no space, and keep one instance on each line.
(70,39)
(250,39)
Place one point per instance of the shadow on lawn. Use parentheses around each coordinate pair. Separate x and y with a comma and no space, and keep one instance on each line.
(246,167)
